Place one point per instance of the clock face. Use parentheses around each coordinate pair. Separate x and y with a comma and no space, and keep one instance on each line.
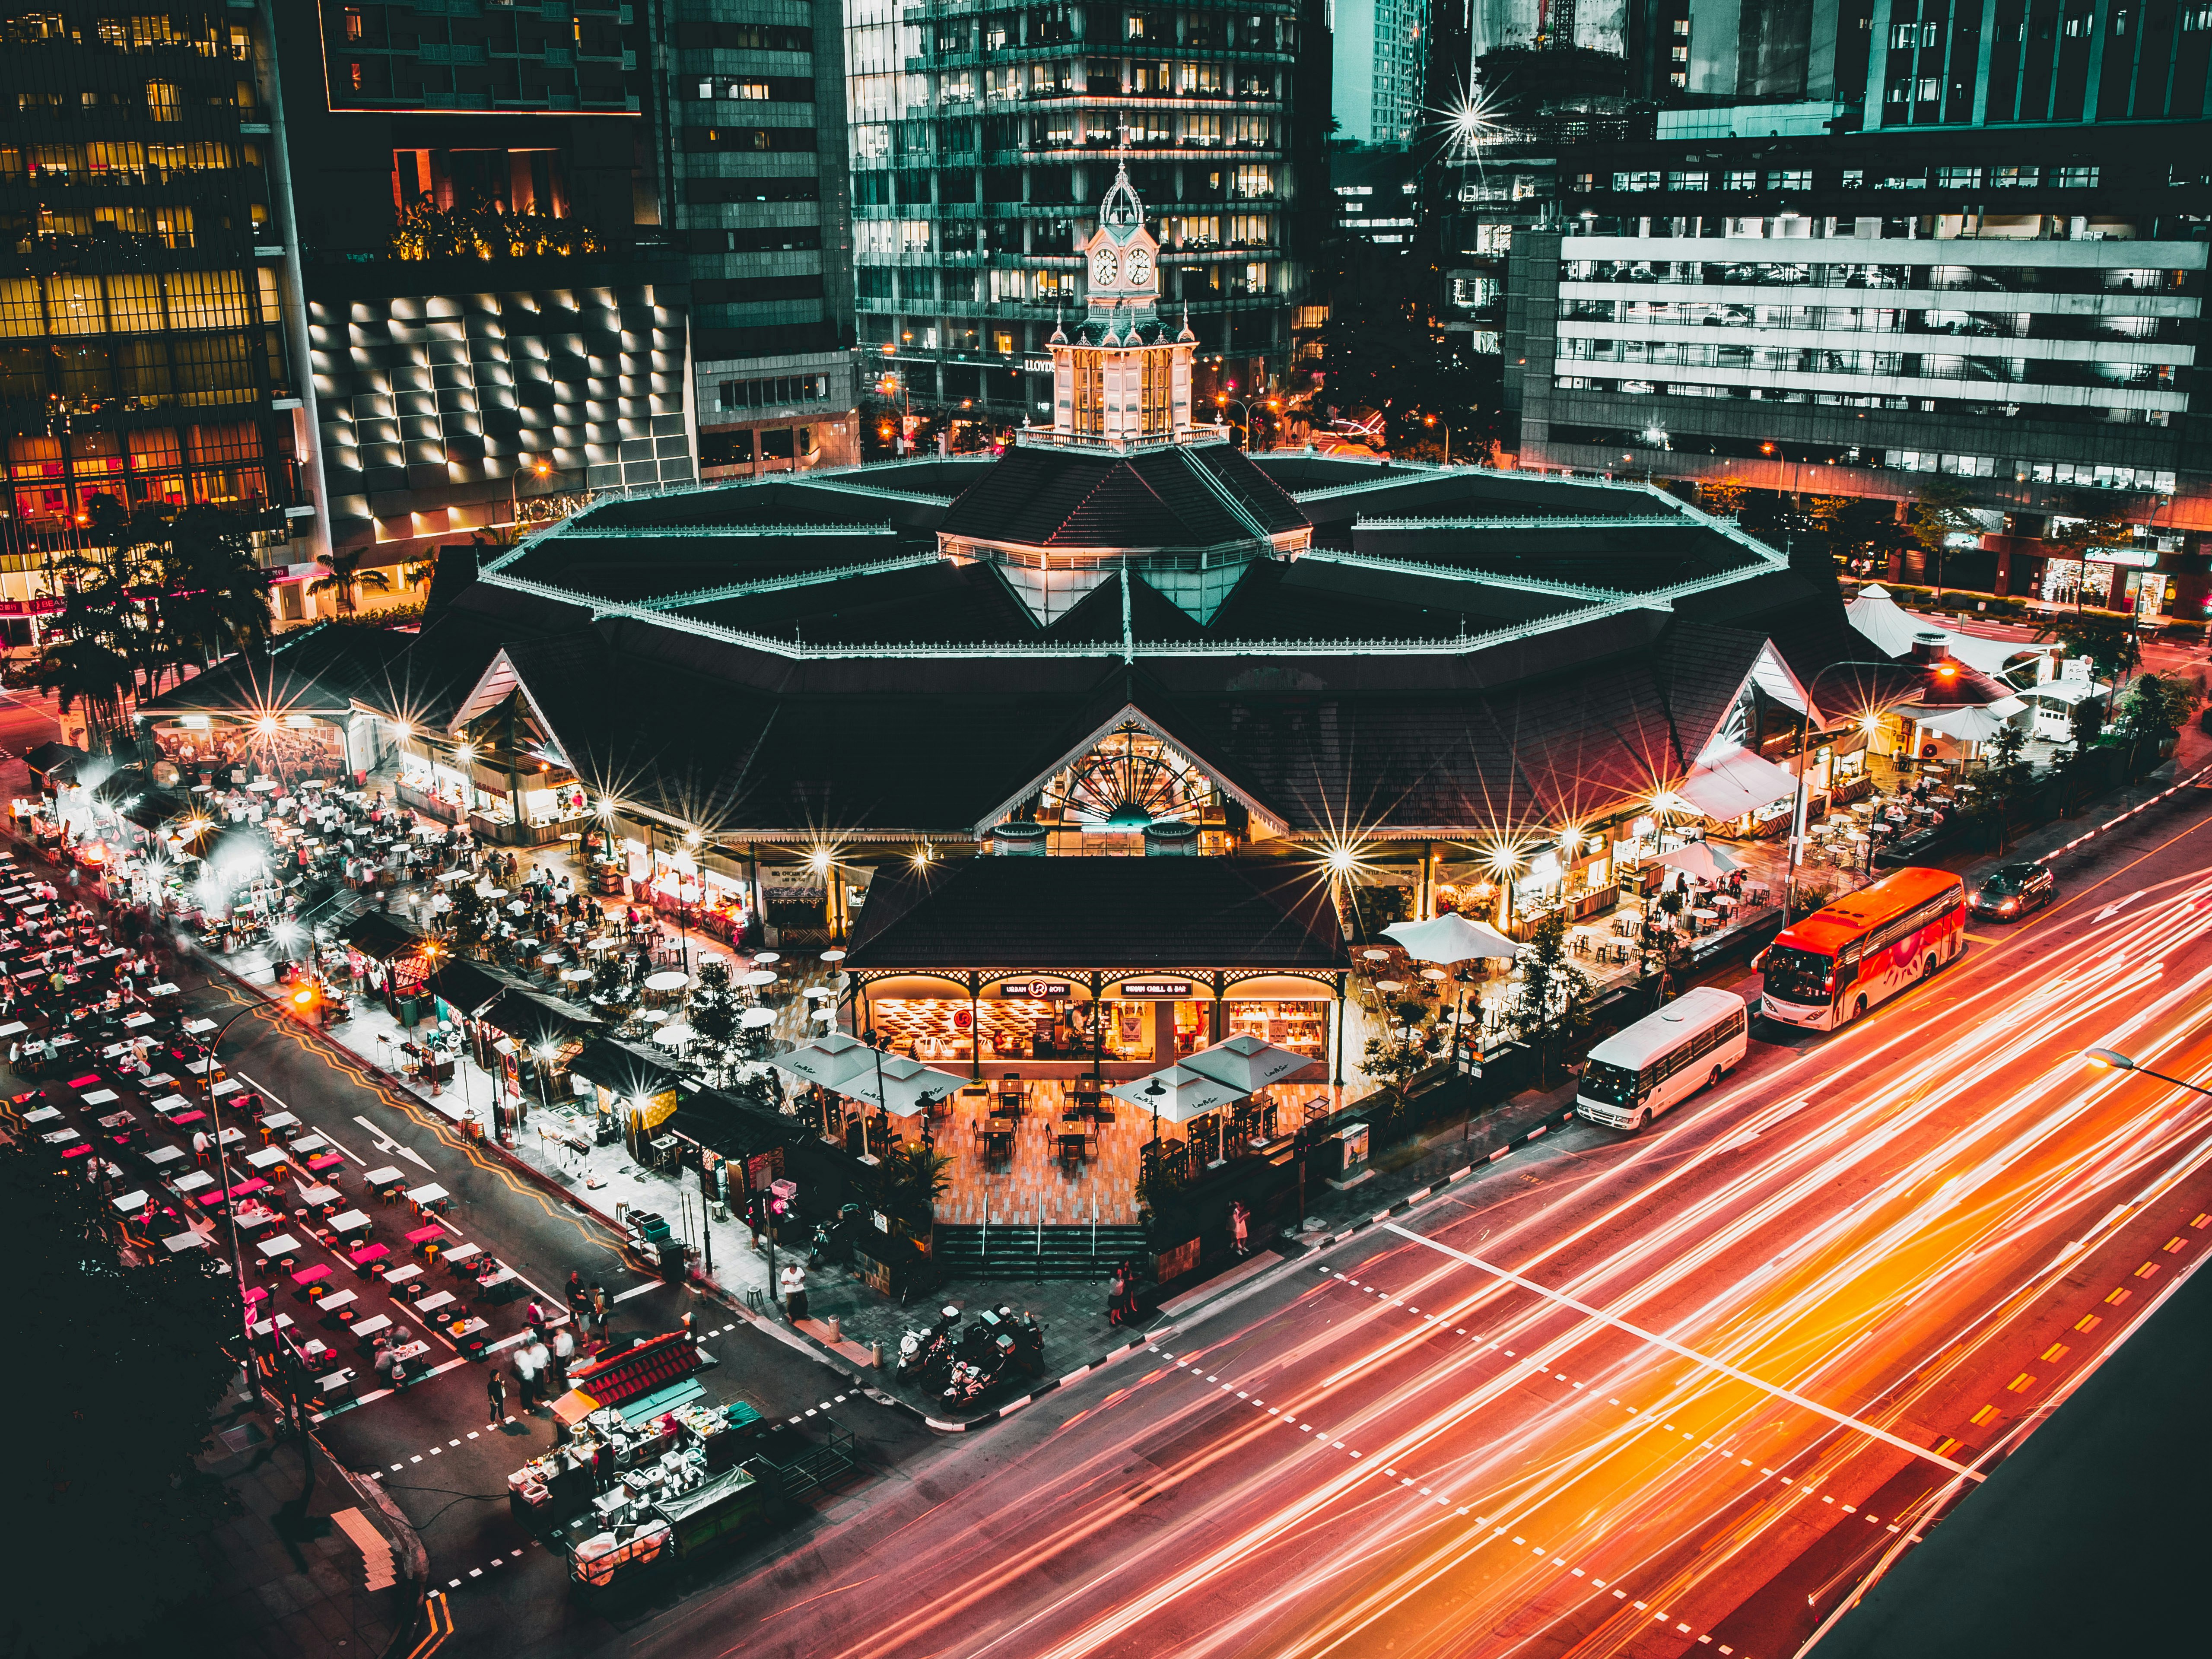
(1141,268)
(1104,267)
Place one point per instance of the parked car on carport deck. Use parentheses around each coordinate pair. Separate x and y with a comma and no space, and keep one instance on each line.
(2011,891)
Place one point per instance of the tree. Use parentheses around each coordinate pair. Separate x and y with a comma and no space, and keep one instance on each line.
(346,578)
(2107,641)
(1723,497)
(2155,708)
(82,669)
(1383,351)
(101,1490)
(1939,511)
(2003,787)
(1555,997)
(215,594)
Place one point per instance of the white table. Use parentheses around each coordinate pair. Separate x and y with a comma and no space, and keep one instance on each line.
(462,1252)
(352,1221)
(61,1137)
(195,1027)
(279,1120)
(337,1299)
(194,1182)
(162,1155)
(400,1275)
(318,1194)
(269,1327)
(378,1177)
(180,1242)
(99,1098)
(267,1158)
(42,1115)
(309,1145)
(372,1325)
(164,989)
(429,1194)
(137,1020)
(14,1028)
(273,1248)
(229,1086)
(130,1202)
(171,1104)
(230,1137)
(432,1304)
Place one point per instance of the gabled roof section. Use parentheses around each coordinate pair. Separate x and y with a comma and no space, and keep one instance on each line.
(1178,495)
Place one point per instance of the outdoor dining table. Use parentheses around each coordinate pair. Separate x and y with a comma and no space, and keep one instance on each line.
(372,1325)
(318,1194)
(385,1176)
(194,1027)
(61,1137)
(423,1197)
(161,1155)
(192,1181)
(402,1274)
(271,1248)
(42,1114)
(279,1120)
(230,1136)
(136,1022)
(131,1203)
(168,1104)
(100,1098)
(352,1221)
(14,1028)
(268,1157)
(117,1120)
(310,1143)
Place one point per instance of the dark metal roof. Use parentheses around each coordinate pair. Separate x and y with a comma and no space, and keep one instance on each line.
(375,934)
(313,670)
(470,986)
(1069,915)
(1169,497)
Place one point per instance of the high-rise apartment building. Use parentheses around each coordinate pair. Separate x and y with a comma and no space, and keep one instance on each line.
(1382,49)
(142,299)
(756,189)
(979,136)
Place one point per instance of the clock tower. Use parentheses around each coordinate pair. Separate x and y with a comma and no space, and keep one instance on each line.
(1123,380)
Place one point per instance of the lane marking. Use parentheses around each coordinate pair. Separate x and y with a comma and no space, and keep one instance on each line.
(1705,1360)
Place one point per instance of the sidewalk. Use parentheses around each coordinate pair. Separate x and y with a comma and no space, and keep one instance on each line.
(1078,1336)
(339,1577)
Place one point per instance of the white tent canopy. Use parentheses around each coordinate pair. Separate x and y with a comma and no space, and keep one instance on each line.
(2066,691)
(1893,629)
(904,1083)
(1449,938)
(1728,782)
(1701,858)
(1968,724)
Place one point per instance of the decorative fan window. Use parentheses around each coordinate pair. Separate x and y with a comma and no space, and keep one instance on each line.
(1129,780)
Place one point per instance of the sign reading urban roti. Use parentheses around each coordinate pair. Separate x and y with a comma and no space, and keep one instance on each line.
(1033,988)
(1155,988)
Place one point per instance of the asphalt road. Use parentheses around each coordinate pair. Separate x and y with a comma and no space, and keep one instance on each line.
(1675,1394)
(432,1445)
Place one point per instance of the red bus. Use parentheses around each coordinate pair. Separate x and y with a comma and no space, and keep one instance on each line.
(1830,968)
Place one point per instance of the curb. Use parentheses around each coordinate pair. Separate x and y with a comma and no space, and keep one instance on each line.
(2110,824)
(1321,1241)
(1043,1389)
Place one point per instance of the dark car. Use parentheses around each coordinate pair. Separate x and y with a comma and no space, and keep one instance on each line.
(2008,893)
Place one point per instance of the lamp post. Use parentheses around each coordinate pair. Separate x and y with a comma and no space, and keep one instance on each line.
(537,468)
(302,997)
(2111,1060)
(1222,401)
(1797,810)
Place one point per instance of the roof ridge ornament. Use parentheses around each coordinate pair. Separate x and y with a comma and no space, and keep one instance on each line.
(1122,209)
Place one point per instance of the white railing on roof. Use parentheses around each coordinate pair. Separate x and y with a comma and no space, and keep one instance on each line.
(1452,573)
(733,530)
(1568,521)
(797,578)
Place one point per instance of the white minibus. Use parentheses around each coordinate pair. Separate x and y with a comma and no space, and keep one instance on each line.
(1635,1075)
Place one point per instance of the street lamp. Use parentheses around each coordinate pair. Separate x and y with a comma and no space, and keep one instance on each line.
(537,468)
(1222,402)
(2111,1060)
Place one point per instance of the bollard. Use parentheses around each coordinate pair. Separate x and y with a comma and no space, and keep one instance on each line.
(831,1321)
(876,1356)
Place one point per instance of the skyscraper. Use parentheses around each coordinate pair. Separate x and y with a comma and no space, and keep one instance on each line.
(142,304)
(980,135)
(1381,50)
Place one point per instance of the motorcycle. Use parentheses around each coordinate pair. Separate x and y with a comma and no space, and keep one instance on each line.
(927,1353)
(971,1379)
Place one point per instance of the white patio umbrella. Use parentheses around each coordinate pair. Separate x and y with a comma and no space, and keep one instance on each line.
(668,979)
(828,1059)
(1181,1094)
(1973,724)
(1451,938)
(905,1081)
(674,1035)
(1701,858)
(484,889)
(1246,1063)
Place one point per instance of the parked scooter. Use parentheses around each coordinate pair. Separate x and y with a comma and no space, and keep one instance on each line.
(925,1354)
(971,1379)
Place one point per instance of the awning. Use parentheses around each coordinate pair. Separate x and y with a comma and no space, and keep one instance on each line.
(377,936)
(1728,783)
(1176,1094)
(153,810)
(48,759)
(1965,725)
(530,1018)
(465,987)
(2066,691)
(1450,938)
(620,1068)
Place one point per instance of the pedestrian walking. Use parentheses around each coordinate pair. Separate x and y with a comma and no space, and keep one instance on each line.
(793,1282)
(1237,1228)
(1116,1288)
(1129,1281)
(496,1393)
(525,1376)
(564,1350)
(599,1307)
(580,1299)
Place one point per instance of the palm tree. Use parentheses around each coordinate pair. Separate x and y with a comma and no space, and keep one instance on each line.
(346,578)
(215,595)
(418,573)
(85,669)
